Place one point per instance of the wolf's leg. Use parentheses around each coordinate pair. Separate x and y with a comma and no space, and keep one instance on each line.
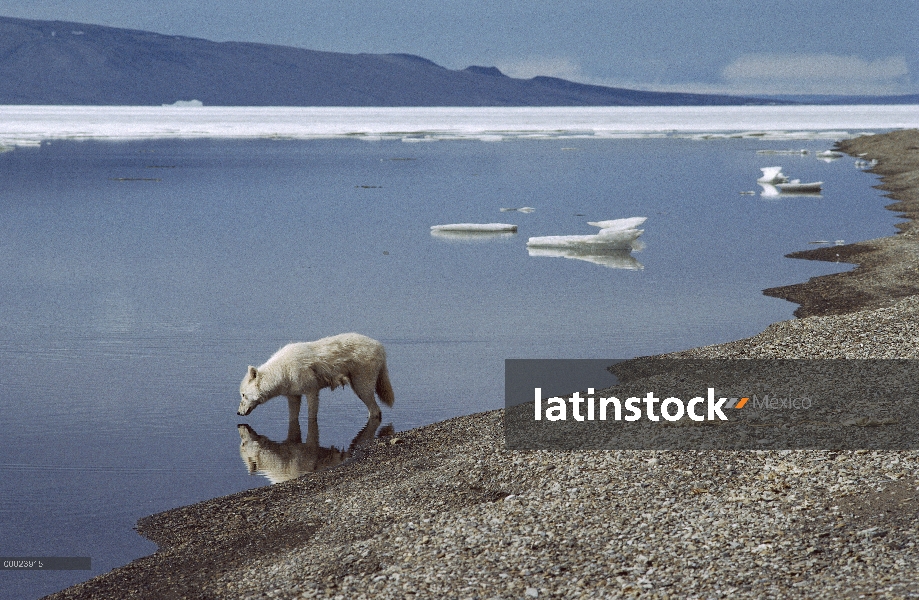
(312,404)
(293,408)
(364,390)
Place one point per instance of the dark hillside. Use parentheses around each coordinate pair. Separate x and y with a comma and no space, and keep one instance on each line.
(55,62)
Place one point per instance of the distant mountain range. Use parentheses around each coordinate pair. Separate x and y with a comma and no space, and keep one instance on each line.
(57,62)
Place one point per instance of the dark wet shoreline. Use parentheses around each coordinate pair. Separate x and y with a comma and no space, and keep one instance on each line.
(886,268)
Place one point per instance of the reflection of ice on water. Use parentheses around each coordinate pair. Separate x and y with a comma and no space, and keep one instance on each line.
(614,259)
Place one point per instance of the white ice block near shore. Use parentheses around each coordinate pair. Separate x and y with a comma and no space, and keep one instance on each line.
(475,227)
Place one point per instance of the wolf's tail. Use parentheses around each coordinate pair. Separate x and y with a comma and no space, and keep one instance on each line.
(384,387)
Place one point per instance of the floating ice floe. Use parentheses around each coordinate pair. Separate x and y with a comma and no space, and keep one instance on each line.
(613,224)
(473,231)
(796,187)
(475,227)
(772,175)
(619,236)
(617,239)
(791,189)
(829,155)
(473,236)
(774,182)
(613,259)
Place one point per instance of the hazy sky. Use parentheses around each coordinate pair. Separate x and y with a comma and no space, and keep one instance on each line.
(737,46)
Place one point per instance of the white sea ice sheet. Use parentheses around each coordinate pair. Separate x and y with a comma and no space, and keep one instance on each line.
(21,125)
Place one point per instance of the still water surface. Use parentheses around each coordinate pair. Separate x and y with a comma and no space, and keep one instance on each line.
(139,279)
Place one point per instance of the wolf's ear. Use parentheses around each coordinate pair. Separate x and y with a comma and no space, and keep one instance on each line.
(253,372)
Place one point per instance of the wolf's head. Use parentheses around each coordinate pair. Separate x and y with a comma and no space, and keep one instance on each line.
(251,394)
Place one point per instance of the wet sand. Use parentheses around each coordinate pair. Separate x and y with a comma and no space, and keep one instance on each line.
(445,511)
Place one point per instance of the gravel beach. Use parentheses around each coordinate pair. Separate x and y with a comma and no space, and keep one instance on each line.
(444,511)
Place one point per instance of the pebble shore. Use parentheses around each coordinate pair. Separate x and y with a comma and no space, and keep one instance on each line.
(444,511)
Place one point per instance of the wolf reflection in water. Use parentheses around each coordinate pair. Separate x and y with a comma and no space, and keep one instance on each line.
(283,461)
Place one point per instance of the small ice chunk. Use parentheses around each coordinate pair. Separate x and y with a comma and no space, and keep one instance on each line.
(772,175)
(475,227)
(629,223)
(186,103)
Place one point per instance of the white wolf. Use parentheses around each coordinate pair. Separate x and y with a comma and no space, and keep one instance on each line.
(307,367)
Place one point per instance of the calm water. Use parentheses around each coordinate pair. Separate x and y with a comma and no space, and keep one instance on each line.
(139,279)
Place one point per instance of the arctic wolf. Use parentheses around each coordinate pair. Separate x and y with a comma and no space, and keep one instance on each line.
(307,367)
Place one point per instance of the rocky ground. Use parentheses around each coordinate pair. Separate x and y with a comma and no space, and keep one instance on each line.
(446,511)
